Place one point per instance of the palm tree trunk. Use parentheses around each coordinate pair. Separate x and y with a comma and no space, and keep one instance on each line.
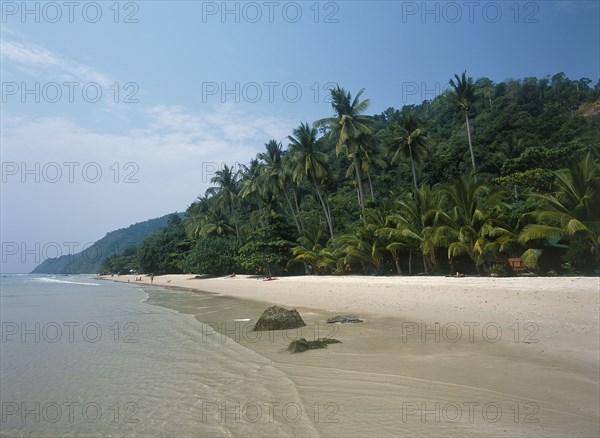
(469,137)
(425,265)
(361,192)
(370,185)
(326,209)
(410,262)
(237,229)
(397,262)
(287,198)
(329,215)
(298,210)
(412,163)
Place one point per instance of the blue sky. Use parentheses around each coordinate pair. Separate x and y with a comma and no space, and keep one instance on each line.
(186,86)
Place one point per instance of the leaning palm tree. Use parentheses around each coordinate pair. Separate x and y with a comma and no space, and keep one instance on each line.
(574,210)
(371,156)
(226,190)
(464,97)
(350,129)
(275,178)
(409,140)
(250,183)
(310,163)
(260,202)
(195,217)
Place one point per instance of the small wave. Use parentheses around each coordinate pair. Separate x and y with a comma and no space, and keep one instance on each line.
(56,280)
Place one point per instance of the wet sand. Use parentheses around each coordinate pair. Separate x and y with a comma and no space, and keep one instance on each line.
(433,357)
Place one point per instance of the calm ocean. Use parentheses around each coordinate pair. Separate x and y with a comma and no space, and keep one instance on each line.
(85,357)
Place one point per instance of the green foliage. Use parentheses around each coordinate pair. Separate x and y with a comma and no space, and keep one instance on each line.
(571,213)
(121,263)
(161,253)
(212,256)
(92,260)
(401,189)
(266,250)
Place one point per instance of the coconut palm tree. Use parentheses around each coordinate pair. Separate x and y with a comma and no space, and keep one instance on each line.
(195,217)
(310,248)
(573,210)
(363,247)
(464,97)
(350,129)
(371,155)
(275,178)
(408,140)
(469,217)
(310,163)
(216,222)
(226,190)
(413,226)
(250,188)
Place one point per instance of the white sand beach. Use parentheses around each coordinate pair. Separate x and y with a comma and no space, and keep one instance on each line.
(435,356)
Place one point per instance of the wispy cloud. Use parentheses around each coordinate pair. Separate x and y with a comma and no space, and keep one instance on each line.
(174,141)
(37,61)
(224,124)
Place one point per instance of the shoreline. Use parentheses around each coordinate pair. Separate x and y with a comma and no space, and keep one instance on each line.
(406,356)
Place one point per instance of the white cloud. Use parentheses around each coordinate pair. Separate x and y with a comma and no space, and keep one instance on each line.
(170,151)
(40,62)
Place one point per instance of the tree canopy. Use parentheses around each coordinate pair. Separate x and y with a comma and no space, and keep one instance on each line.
(480,174)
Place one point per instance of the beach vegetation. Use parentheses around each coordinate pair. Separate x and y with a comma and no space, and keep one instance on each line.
(480,175)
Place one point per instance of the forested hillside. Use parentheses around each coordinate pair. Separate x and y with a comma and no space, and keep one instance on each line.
(483,173)
(116,242)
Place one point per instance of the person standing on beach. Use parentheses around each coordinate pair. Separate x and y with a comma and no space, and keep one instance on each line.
(151,278)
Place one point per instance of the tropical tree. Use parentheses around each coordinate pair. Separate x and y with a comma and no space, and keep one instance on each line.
(275,177)
(408,140)
(308,162)
(226,191)
(350,129)
(216,222)
(573,211)
(469,217)
(250,187)
(310,247)
(464,97)
(162,252)
(195,217)
(259,199)
(363,247)
(212,256)
(266,249)
(371,155)
(413,226)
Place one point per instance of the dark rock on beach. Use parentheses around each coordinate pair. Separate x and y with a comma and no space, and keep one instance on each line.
(344,319)
(301,345)
(278,318)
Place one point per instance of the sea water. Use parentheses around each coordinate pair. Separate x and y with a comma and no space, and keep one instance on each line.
(85,357)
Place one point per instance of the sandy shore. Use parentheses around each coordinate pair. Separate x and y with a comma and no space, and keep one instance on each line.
(434,356)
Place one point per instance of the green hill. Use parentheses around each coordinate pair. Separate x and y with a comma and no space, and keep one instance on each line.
(90,260)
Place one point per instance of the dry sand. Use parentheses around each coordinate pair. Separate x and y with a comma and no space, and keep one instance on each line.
(435,356)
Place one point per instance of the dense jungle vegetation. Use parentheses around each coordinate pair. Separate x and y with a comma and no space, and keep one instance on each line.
(462,183)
